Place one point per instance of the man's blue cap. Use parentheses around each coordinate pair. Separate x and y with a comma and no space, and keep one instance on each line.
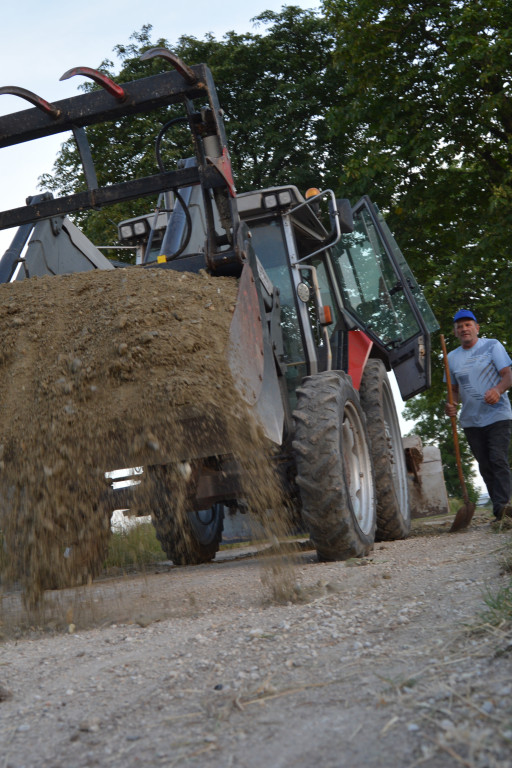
(464,313)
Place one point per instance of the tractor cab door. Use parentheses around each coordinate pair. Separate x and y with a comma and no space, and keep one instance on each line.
(381,294)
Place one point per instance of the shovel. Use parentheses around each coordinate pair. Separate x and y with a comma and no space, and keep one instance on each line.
(465,513)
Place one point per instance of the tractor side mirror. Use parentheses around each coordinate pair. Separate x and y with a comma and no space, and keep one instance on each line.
(346,217)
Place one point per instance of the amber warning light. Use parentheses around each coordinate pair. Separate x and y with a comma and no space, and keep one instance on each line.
(325,315)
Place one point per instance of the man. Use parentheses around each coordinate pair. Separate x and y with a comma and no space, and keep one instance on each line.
(481,374)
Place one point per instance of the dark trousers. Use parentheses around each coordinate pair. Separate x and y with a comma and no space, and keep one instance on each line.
(489,446)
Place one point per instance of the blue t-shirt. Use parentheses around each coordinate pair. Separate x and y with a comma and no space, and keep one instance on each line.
(474,371)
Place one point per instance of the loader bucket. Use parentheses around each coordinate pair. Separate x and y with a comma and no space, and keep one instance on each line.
(251,364)
(251,359)
(142,365)
(132,367)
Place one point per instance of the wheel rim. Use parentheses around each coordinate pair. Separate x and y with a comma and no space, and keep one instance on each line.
(205,523)
(205,516)
(358,468)
(395,448)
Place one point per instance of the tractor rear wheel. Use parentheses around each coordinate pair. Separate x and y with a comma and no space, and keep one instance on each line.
(334,467)
(393,513)
(187,536)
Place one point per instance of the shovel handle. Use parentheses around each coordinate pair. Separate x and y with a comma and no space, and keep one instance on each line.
(453,420)
(447,370)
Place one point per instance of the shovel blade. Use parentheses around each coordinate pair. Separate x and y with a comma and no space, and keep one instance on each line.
(463,517)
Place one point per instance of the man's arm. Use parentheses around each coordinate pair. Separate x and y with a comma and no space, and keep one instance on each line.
(493,395)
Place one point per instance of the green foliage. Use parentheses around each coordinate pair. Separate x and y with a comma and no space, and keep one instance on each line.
(134,547)
(499,607)
(427,106)
(499,601)
(273,88)
(407,101)
(427,117)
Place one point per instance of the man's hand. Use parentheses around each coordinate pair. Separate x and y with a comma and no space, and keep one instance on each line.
(492,396)
(450,409)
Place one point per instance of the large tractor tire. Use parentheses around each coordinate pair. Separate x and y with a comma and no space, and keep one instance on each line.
(188,537)
(393,512)
(334,467)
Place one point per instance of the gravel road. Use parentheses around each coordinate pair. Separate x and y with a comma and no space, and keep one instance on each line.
(378,662)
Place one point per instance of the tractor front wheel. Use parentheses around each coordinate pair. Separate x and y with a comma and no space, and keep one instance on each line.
(334,467)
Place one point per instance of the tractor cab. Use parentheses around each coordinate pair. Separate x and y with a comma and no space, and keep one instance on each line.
(347,290)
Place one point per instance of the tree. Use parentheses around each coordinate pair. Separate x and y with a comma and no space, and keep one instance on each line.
(274,88)
(428,111)
(407,101)
(427,106)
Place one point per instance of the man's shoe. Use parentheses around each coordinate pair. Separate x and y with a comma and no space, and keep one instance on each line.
(505,511)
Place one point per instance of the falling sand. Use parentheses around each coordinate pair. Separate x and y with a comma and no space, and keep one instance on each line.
(97,371)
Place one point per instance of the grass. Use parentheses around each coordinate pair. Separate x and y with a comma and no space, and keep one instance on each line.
(454,505)
(136,546)
(499,603)
(499,607)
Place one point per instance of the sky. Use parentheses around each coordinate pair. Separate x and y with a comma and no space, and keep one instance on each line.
(42,40)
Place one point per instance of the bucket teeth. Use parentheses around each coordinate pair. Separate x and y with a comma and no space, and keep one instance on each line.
(33,98)
(185,71)
(94,74)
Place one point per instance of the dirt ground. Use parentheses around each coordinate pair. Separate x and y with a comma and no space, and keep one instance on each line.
(379,662)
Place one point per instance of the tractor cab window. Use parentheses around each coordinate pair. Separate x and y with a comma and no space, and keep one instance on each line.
(426,312)
(269,246)
(370,286)
(327,299)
